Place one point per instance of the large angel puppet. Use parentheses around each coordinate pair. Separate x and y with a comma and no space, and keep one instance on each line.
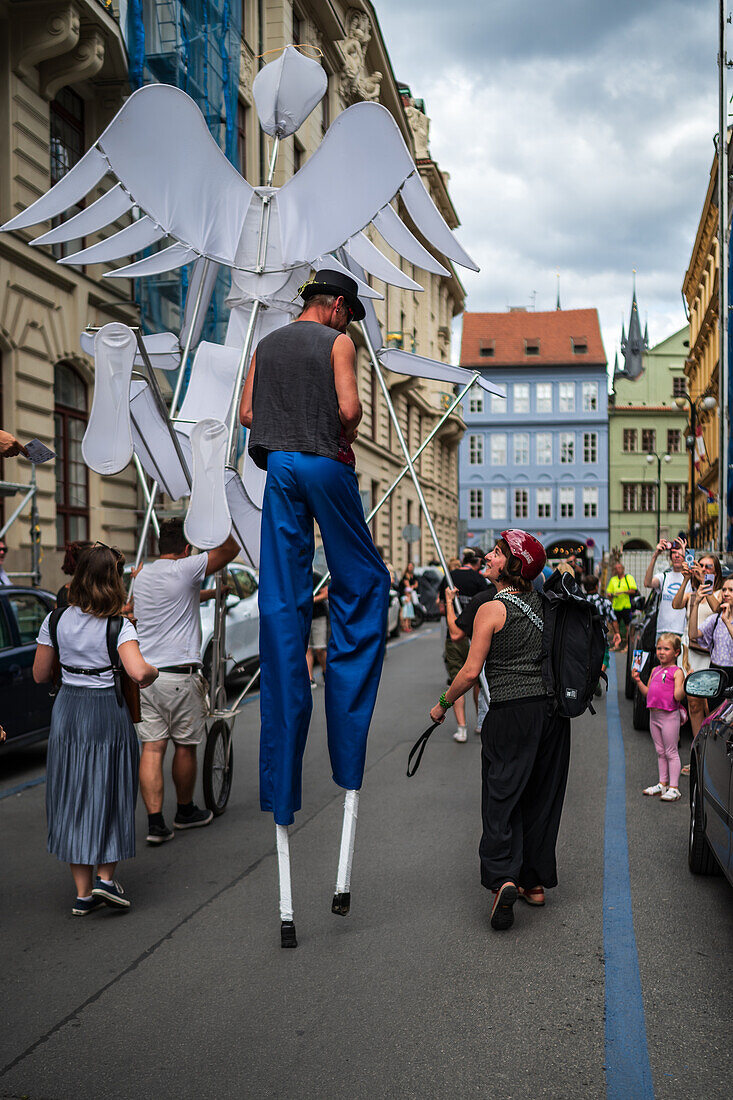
(184,195)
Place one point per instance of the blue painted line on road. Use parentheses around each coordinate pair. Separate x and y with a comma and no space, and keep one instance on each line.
(628,1072)
(22,787)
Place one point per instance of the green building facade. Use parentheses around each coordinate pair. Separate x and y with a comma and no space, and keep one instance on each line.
(643,420)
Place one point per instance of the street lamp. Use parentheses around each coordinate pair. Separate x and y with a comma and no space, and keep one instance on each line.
(666,458)
(696,407)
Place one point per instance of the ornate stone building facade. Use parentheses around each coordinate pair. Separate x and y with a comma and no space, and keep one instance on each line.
(700,289)
(63,75)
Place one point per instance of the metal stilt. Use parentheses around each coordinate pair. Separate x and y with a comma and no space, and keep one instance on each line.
(342,897)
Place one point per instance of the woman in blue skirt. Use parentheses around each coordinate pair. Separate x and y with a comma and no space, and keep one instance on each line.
(93,753)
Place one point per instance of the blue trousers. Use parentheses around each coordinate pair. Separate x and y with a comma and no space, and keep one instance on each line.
(299,489)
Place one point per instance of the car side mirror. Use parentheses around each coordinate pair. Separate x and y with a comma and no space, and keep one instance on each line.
(706,684)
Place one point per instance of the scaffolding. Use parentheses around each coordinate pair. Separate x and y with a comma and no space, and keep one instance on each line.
(193,45)
(30,496)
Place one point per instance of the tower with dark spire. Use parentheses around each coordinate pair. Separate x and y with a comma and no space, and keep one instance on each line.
(634,345)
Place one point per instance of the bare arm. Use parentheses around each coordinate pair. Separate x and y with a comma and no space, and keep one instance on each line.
(43,663)
(692,627)
(135,665)
(679,685)
(221,555)
(649,575)
(490,619)
(10,446)
(343,360)
(680,597)
(245,404)
(455,633)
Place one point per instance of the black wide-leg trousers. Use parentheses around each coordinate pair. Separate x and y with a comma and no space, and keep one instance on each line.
(525,758)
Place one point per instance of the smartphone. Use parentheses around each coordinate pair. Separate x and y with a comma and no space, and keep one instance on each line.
(637,659)
(667,545)
(690,558)
(710,578)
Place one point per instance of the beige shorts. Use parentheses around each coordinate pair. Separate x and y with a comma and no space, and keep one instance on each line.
(175,706)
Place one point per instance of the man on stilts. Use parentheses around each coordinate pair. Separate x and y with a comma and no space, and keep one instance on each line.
(302,406)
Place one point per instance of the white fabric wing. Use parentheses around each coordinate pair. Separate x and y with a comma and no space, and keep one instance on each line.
(70,189)
(153,444)
(211,386)
(133,238)
(112,205)
(208,521)
(246,516)
(372,260)
(168,259)
(362,158)
(162,349)
(403,362)
(394,231)
(429,221)
(286,91)
(107,443)
(192,294)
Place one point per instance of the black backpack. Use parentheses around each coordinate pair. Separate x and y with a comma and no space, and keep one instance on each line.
(573,643)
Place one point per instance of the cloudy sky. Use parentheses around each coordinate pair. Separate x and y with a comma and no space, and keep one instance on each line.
(578,135)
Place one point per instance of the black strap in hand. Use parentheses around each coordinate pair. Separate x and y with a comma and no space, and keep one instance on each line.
(419,748)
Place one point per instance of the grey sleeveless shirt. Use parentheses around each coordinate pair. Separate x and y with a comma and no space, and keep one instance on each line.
(294,403)
(514,664)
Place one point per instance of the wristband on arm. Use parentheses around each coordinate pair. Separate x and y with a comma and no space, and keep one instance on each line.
(443,702)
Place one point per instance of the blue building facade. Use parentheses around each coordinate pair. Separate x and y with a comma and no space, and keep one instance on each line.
(539,458)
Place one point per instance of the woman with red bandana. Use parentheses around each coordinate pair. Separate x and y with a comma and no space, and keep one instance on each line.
(525,744)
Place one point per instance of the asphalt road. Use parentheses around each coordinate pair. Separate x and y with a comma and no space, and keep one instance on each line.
(412,995)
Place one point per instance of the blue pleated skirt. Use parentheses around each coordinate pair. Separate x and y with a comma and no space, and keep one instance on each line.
(92,770)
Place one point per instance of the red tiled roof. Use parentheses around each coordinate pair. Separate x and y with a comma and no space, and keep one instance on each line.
(554,331)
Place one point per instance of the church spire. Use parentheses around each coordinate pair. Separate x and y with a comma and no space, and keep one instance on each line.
(634,344)
(558,306)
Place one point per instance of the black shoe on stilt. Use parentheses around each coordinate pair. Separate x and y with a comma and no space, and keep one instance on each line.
(341,904)
(287,934)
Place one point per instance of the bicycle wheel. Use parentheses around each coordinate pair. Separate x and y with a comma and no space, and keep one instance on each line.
(218,767)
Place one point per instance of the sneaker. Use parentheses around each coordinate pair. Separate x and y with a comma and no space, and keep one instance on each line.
(111,893)
(502,911)
(195,820)
(598,690)
(314,685)
(671,795)
(658,788)
(158,834)
(82,906)
(460,734)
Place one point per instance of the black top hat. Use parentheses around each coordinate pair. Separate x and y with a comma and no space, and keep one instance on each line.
(327,281)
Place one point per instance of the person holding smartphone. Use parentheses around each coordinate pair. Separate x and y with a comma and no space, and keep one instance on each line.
(717,633)
(670,620)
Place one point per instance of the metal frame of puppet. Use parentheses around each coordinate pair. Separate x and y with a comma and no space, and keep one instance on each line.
(159,150)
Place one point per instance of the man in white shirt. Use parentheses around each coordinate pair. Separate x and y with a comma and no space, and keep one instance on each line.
(167,595)
(668,619)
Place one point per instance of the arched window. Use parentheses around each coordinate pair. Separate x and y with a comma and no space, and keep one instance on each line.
(72,476)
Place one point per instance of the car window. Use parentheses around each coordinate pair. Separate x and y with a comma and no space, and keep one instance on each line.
(29,612)
(247,583)
(5,639)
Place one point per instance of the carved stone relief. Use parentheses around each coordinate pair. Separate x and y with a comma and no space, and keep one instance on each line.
(355,82)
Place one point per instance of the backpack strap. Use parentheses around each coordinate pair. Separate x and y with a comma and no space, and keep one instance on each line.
(114,626)
(53,628)
(531,615)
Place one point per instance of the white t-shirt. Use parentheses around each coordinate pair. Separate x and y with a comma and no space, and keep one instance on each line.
(167,609)
(82,642)
(668,618)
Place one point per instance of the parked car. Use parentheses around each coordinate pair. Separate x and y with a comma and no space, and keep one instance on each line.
(710,844)
(243,621)
(428,590)
(25,707)
(640,619)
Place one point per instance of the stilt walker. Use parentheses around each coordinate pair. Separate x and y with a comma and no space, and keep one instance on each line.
(164,161)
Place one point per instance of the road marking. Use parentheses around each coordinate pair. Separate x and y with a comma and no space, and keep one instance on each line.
(22,787)
(415,634)
(628,1072)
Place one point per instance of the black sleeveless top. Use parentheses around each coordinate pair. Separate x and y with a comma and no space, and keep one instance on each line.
(294,403)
